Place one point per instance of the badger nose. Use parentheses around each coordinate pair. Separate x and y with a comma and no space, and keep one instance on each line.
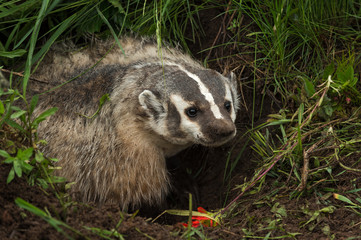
(222,129)
(226,130)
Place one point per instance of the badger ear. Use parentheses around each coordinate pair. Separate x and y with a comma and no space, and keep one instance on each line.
(151,104)
(232,77)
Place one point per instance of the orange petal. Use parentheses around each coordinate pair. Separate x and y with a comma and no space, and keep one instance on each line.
(201,210)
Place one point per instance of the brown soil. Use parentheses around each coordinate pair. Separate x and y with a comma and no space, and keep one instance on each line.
(199,171)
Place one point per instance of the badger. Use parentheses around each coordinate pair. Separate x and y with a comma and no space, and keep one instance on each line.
(161,101)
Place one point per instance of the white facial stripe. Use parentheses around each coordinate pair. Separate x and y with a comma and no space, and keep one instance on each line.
(203,89)
(229,98)
(186,125)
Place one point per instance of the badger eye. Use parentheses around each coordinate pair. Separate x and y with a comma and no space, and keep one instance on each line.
(192,112)
(227,106)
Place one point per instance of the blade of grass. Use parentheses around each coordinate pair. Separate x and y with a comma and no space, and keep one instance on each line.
(52,221)
(60,30)
(33,39)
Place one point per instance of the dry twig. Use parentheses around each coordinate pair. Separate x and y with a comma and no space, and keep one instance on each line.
(22,75)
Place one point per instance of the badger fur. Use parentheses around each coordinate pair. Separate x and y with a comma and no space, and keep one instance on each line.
(160,102)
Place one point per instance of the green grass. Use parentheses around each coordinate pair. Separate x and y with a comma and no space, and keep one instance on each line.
(292,34)
(312,143)
(21,21)
(297,38)
(300,45)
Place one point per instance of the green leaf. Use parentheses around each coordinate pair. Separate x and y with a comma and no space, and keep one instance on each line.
(44,115)
(316,162)
(2,108)
(9,160)
(34,101)
(15,108)
(25,155)
(329,209)
(300,113)
(110,28)
(102,100)
(278,122)
(309,87)
(14,125)
(329,70)
(63,26)
(31,208)
(52,221)
(39,157)
(27,167)
(345,75)
(106,234)
(279,209)
(12,54)
(328,110)
(33,42)
(17,168)
(194,213)
(57,179)
(118,5)
(4,154)
(42,183)
(10,176)
(343,199)
(17,114)
(326,230)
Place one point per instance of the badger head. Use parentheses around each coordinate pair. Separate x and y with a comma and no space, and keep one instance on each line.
(192,106)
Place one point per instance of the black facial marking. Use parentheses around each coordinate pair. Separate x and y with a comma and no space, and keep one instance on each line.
(173,121)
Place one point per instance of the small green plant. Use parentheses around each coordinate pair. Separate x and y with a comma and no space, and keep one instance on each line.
(344,86)
(37,168)
(350,204)
(20,119)
(43,175)
(25,158)
(21,163)
(267,226)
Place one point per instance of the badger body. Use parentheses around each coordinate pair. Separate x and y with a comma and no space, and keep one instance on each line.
(161,101)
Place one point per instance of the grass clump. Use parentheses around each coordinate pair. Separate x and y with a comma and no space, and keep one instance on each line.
(307,54)
(25,23)
(305,60)
(301,33)
(293,38)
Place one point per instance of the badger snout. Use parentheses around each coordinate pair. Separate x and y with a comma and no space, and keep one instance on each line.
(219,132)
(227,130)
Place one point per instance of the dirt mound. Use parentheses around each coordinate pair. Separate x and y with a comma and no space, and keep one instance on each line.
(88,220)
